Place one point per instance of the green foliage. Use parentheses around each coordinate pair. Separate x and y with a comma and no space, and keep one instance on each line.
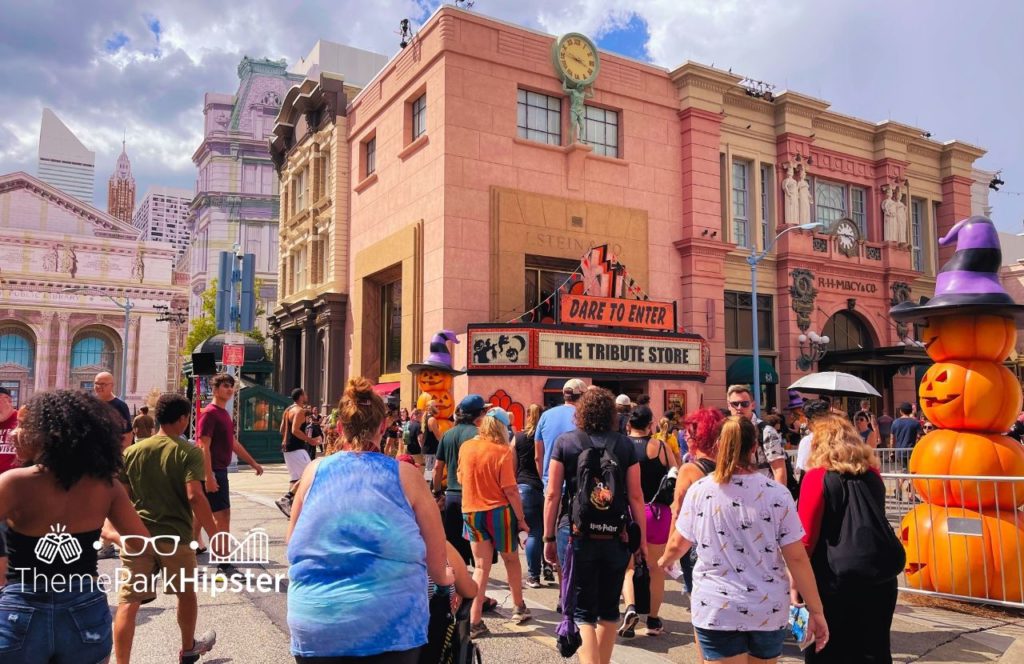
(204,326)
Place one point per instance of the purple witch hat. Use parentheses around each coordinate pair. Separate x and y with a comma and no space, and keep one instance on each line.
(440,357)
(969,281)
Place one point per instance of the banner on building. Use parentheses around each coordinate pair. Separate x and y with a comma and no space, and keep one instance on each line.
(616,312)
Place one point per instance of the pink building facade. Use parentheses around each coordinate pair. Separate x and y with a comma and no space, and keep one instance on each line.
(471,202)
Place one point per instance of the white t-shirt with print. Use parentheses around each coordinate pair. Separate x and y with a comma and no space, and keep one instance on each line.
(771,449)
(738,529)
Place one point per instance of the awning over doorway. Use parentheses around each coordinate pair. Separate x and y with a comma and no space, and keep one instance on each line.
(384,389)
(887,356)
(741,372)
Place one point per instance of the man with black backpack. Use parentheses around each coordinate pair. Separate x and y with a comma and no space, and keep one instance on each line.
(599,466)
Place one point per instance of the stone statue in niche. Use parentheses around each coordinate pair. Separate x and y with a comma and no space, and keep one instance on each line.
(902,228)
(138,267)
(69,261)
(51,261)
(889,214)
(803,196)
(791,214)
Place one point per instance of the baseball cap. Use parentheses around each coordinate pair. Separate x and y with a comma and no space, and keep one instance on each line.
(641,417)
(574,386)
(501,415)
(471,404)
(623,400)
(5,391)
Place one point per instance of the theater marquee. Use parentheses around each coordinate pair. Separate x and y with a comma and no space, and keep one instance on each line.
(552,349)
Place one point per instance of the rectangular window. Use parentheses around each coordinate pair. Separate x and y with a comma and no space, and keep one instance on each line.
(391,327)
(602,130)
(299,267)
(419,116)
(539,117)
(543,277)
(740,204)
(858,208)
(917,234)
(738,330)
(829,202)
(371,156)
(767,189)
(299,192)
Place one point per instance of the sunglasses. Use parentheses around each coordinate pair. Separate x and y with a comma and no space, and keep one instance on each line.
(739,404)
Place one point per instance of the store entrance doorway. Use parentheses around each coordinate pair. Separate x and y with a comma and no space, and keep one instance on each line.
(631,388)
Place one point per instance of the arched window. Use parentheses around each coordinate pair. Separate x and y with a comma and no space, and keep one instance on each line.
(846,331)
(16,348)
(92,351)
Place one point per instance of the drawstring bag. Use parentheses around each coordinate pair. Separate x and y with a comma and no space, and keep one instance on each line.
(641,585)
(568,634)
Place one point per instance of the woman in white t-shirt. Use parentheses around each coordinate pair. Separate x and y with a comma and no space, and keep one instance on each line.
(747,532)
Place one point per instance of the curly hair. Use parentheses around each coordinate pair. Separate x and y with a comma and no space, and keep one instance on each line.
(703,426)
(595,411)
(837,446)
(76,436)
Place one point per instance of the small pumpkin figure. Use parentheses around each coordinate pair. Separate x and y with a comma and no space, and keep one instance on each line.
(969,338)
(947,452)
(971,395)
(435,376)
(962,552)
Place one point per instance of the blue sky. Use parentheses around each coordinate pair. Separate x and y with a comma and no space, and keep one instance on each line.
(107,67)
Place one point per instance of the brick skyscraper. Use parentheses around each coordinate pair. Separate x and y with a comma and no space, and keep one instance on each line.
(121,190)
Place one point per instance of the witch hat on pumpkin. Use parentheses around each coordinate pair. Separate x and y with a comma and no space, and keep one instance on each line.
(969,281)
(440,357)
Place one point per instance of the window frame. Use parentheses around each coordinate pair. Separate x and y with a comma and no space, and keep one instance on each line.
(388,336)
(859,217)
(602,148)
(418,107)
(917,228)
(552,105)
(735,217)
(739,301)
(844,213)
(29,348)
(370,156)
(767,174)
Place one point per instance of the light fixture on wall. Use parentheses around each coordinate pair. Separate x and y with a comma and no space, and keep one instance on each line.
(812,348)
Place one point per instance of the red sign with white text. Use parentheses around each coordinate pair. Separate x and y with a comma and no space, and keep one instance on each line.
(233,356)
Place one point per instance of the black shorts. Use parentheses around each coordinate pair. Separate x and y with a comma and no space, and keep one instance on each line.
(221,500)
(599,567)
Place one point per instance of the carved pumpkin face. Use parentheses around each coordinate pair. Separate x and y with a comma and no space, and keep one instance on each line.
(434,380)
(969,338)
(444,403)
(983,564)
(947,452)
(970,396)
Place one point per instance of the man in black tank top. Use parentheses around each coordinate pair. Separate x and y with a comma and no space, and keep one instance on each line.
(293,445)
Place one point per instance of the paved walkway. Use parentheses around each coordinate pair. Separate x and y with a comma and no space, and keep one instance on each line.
(252,626)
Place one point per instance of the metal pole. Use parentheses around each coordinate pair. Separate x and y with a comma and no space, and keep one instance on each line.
(124,347)
(754,259)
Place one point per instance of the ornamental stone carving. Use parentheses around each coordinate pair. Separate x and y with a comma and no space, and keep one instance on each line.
(791,214)
(803,294)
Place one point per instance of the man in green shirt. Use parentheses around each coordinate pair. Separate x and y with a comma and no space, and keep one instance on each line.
(467,416)
(163,475)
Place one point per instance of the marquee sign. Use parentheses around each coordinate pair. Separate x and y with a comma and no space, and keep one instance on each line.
(616,312)
(550,349)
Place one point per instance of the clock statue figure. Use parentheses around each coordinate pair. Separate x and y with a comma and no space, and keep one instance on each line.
(577,95)
(577,62)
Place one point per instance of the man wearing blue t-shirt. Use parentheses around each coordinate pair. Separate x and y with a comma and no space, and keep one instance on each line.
(554,422)
(905,430)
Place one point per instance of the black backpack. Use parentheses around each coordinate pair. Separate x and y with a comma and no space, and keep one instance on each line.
(448,639)
(599,506)
(857,546)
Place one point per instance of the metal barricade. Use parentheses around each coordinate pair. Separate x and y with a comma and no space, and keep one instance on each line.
(963,538)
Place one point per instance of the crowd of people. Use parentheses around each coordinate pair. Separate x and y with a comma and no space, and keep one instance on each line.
(603,497)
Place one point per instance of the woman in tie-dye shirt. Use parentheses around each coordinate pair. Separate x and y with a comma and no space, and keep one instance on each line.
(364,534)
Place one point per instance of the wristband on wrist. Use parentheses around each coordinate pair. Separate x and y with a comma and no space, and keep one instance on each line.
(549,539)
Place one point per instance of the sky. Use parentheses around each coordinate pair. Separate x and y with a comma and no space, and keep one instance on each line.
(115,67)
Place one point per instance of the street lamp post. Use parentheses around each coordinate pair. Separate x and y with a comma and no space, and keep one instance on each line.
(753,259)
(126,306)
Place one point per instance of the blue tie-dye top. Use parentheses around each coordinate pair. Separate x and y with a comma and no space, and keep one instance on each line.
(358,576)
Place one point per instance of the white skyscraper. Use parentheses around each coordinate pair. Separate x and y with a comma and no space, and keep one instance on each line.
(162,216)
(63,161)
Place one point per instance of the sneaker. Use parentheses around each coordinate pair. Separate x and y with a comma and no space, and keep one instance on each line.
(533,582)
(284,503)
(107,552)
(548,573)
(655,626)
(521,615)
(200,646)
(628,628)
(478,630)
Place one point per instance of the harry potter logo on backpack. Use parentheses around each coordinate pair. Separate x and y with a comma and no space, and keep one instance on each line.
(599,507)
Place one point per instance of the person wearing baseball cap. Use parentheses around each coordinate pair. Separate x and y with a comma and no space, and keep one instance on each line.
(446,468)
(623,407)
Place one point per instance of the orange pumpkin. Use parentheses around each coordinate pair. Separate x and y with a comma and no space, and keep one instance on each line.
(434,380)
(970,395)
(948,452)
(969,338)
(980,558)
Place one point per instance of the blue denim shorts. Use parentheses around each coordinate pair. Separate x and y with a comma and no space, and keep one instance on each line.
(715,644)
(54,628)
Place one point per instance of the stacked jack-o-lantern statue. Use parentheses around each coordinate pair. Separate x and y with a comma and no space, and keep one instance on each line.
(434,378)
(967,537)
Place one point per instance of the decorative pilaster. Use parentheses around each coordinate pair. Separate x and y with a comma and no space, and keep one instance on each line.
(63,351)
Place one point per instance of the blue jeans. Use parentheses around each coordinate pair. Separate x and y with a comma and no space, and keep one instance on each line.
(562,542)
(533,510)
(54,628)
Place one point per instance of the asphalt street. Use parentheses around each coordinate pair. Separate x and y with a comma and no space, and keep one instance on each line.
(252,626)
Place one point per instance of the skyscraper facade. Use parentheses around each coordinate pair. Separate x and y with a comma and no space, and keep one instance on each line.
(236,201)
(121,189)
(162,216)
(64,162)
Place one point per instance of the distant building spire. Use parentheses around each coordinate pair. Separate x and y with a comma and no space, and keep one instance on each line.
(121,187)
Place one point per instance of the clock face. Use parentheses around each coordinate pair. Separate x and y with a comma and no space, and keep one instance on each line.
(576,59)
(847,236)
